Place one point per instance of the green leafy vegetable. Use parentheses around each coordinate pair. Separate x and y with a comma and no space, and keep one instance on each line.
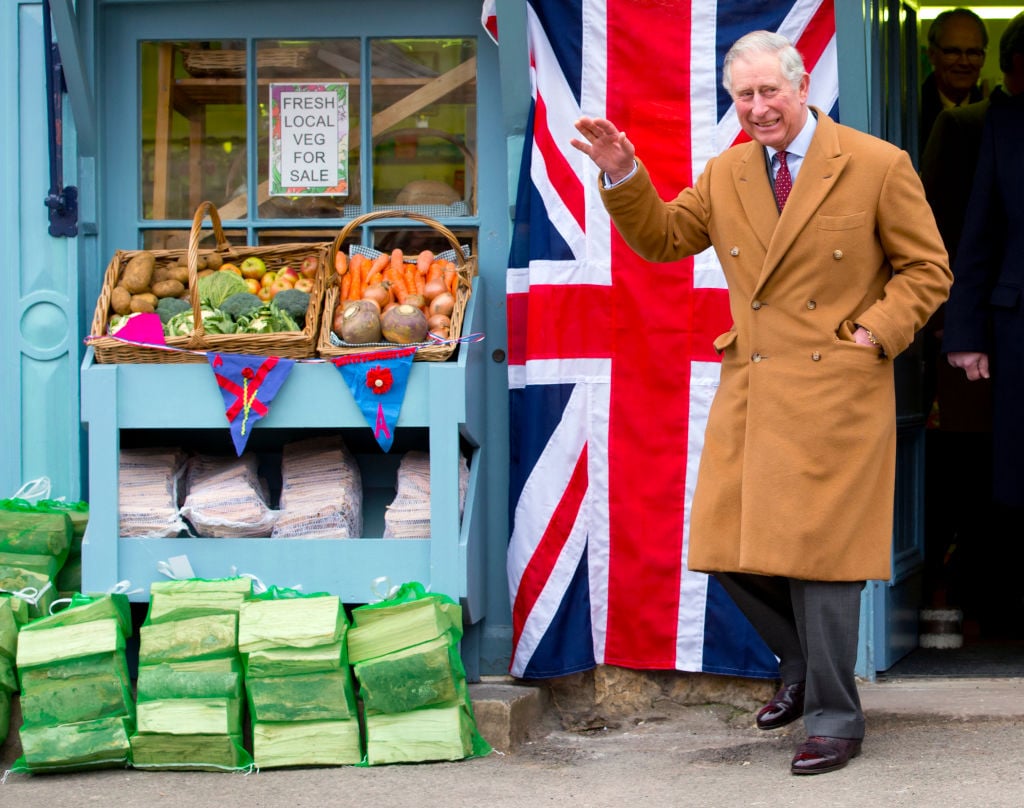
(214,322)
(217,287)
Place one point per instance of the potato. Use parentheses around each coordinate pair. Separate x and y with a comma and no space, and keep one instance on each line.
(120,300)
(177,273)
(143,302)
(169,288)
(214,260)
(138,274)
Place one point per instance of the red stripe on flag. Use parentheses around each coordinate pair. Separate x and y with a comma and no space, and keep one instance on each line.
(819,32)
(516,306)
(544,557)
(661,324)
(558,170)
(569,322)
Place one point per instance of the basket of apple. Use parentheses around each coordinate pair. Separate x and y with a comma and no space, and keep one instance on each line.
(251,300)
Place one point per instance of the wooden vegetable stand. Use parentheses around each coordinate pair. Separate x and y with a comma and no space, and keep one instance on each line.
(444,401)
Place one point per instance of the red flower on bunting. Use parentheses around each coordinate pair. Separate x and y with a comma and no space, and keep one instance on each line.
(379,380)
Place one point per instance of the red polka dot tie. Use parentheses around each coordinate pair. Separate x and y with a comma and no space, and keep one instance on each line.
(783,181)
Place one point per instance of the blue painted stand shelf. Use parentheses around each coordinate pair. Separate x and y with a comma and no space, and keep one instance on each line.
(444,399)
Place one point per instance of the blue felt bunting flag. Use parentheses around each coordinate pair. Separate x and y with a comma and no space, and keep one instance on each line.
(248,385)
(378,380)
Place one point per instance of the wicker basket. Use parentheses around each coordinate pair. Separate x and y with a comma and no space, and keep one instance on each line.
(287,344)
(227,62)
(427,352)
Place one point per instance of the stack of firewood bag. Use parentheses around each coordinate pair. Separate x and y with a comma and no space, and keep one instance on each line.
(298,682)
(405,656)
(190,699)
(76,697)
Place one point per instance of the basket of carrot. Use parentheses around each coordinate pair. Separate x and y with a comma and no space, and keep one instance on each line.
(378,299)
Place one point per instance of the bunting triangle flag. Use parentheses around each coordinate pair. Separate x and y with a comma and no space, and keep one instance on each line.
(248,385)
(377,380)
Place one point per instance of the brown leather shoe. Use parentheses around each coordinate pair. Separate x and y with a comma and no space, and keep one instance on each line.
(785,707)
(819,754)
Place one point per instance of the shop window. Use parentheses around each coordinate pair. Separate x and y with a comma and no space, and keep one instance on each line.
(199,123)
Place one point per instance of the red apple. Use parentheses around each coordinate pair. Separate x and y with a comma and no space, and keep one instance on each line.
(310,266)
(304,285)
(268,278)
(278,286)
(265,294)
(253,285)
(289,274)
(230,268)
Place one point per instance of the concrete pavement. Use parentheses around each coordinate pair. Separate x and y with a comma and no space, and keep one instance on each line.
(930,742)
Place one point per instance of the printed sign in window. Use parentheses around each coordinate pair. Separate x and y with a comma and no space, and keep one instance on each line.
(309,139)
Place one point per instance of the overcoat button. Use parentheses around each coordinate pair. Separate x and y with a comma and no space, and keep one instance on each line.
(816,356)
(734,251)
(756,357)
(811,304)
(837,254)
(756,305)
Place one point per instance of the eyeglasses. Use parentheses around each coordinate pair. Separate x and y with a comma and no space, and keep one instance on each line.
(975,56)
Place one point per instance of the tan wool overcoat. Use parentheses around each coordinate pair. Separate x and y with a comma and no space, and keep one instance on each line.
(797,472)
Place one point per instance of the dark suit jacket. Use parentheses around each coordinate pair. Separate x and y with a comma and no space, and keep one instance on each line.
(985,311)
(931,106)
(947,173)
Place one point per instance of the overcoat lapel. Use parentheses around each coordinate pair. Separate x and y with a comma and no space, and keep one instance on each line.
(755,192)
(822,166)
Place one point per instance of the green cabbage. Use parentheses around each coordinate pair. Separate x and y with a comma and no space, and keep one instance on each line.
(218,286)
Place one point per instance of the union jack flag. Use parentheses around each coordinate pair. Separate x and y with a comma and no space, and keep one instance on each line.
(611,365)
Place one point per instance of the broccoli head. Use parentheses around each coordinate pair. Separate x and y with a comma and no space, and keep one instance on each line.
(167,307)
(240,305)
(294,303)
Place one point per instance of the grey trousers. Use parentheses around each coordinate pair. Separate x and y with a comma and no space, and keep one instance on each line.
(812,627)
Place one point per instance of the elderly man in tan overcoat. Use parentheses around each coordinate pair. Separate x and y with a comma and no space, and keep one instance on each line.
(793,508)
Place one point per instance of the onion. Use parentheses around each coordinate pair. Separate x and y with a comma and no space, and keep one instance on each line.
(379,294)
(434,288)
(438,321)
(444,304)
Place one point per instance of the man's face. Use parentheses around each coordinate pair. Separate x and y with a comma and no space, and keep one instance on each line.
(769,108)
(957,57)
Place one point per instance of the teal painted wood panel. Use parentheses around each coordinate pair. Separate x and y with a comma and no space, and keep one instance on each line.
(39,321)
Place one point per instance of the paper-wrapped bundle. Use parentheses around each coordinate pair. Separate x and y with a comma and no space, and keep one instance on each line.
(306,743)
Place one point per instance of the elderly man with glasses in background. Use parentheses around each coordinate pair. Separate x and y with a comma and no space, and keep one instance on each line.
(957,40)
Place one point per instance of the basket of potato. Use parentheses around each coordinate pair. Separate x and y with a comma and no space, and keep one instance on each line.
(408,295)
(222,299)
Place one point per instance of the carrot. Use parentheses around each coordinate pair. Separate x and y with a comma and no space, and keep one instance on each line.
(423,262)
(380,263)
(355,290)
(451,278)
(398,287)
(435,271)
(411,277)
(340,262)
(346,284)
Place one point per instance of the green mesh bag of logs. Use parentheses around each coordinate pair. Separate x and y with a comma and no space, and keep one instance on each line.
(298,681)
(404,650)
(190,699)
(76,696)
